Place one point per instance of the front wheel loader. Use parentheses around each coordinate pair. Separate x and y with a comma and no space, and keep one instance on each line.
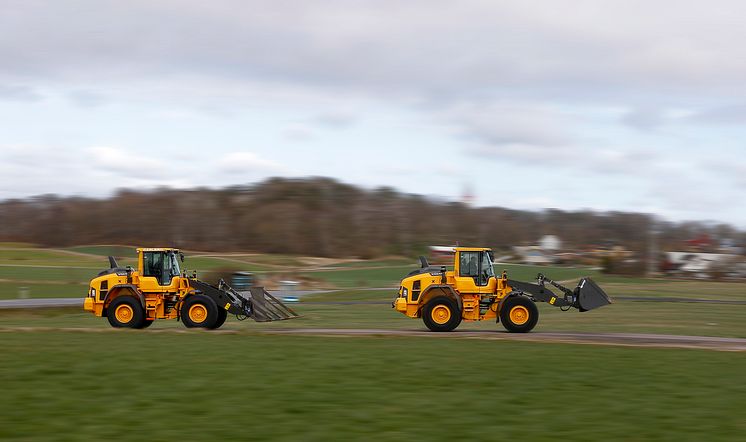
(472,292)
(158,289)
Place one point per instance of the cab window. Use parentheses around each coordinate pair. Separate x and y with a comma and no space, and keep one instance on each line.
(477,265)
(160,265)
(469,264)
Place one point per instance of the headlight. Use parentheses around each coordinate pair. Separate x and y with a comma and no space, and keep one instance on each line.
(404,292)
(92,293)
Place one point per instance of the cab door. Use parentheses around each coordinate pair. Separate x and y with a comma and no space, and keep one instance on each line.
(470,276)
(157,272)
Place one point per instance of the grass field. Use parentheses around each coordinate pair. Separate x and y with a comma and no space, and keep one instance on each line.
(159,385)
(65,273)
(202,386)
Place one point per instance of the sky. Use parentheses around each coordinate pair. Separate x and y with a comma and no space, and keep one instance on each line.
(603,105)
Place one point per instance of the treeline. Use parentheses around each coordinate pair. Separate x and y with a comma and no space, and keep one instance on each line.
(320,217)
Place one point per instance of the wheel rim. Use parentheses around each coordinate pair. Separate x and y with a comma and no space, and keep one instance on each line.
(198,313)
(519,315)
(441,314)
(124,313)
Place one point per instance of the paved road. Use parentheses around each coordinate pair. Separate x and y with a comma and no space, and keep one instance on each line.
(73,302)
(40,303)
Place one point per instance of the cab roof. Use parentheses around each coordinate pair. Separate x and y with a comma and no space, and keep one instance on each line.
(471,249)
(157,249)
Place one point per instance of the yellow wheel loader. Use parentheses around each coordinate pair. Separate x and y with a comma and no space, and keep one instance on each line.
(472,292)
(158,289)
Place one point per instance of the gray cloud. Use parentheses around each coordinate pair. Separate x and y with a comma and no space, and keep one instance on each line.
(728,114)
(424,49)
(644,119)
(19,93)
(526,82)
(87,98)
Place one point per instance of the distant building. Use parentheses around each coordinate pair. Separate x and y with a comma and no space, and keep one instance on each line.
(550,243)
(698,264)
(547,251)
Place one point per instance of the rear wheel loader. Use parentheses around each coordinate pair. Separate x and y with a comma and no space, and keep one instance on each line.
(158,289)
(472,292)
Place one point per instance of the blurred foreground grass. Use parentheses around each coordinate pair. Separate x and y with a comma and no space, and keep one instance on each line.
(129,385)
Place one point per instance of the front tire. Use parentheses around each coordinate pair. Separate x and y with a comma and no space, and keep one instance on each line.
(519,314)
(222,316)
(199,311)
(441,314)
(125,312)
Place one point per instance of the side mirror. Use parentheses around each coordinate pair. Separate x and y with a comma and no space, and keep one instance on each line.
(181,256)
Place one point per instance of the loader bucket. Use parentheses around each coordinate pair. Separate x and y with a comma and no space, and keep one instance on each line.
(257,304)
(267,307)
(590,295)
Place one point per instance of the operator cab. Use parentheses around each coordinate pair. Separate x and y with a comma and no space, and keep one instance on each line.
(163,265)
(477,265)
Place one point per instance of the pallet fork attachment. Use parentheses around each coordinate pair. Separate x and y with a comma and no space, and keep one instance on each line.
(259,305)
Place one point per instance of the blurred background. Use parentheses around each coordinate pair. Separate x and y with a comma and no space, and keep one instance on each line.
(609,136)
(318,148)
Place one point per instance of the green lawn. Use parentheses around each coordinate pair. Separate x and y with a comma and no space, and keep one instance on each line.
(116,251)
(201,386)
(44,257)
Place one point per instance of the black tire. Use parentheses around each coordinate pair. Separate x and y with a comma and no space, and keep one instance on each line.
(525,314)
(199,311)
(441,314)
(222,316)
(147,323)
(125,312)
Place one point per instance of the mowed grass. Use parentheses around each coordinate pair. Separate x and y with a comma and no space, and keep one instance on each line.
(202,386)
(46,257)
(101,250)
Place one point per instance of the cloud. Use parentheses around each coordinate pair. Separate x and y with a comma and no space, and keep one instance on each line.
(645,119)
(19,93)
(130,164)
(336,120)
(299,132)
(531,84)
(424,50)
(728,114)
(246,163)
(87,98)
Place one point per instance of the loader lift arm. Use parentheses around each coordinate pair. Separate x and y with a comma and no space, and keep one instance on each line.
(586,296)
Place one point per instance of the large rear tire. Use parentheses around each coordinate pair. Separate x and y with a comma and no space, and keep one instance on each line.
(441,314)
(199,311)
(125,312)
(519,314)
